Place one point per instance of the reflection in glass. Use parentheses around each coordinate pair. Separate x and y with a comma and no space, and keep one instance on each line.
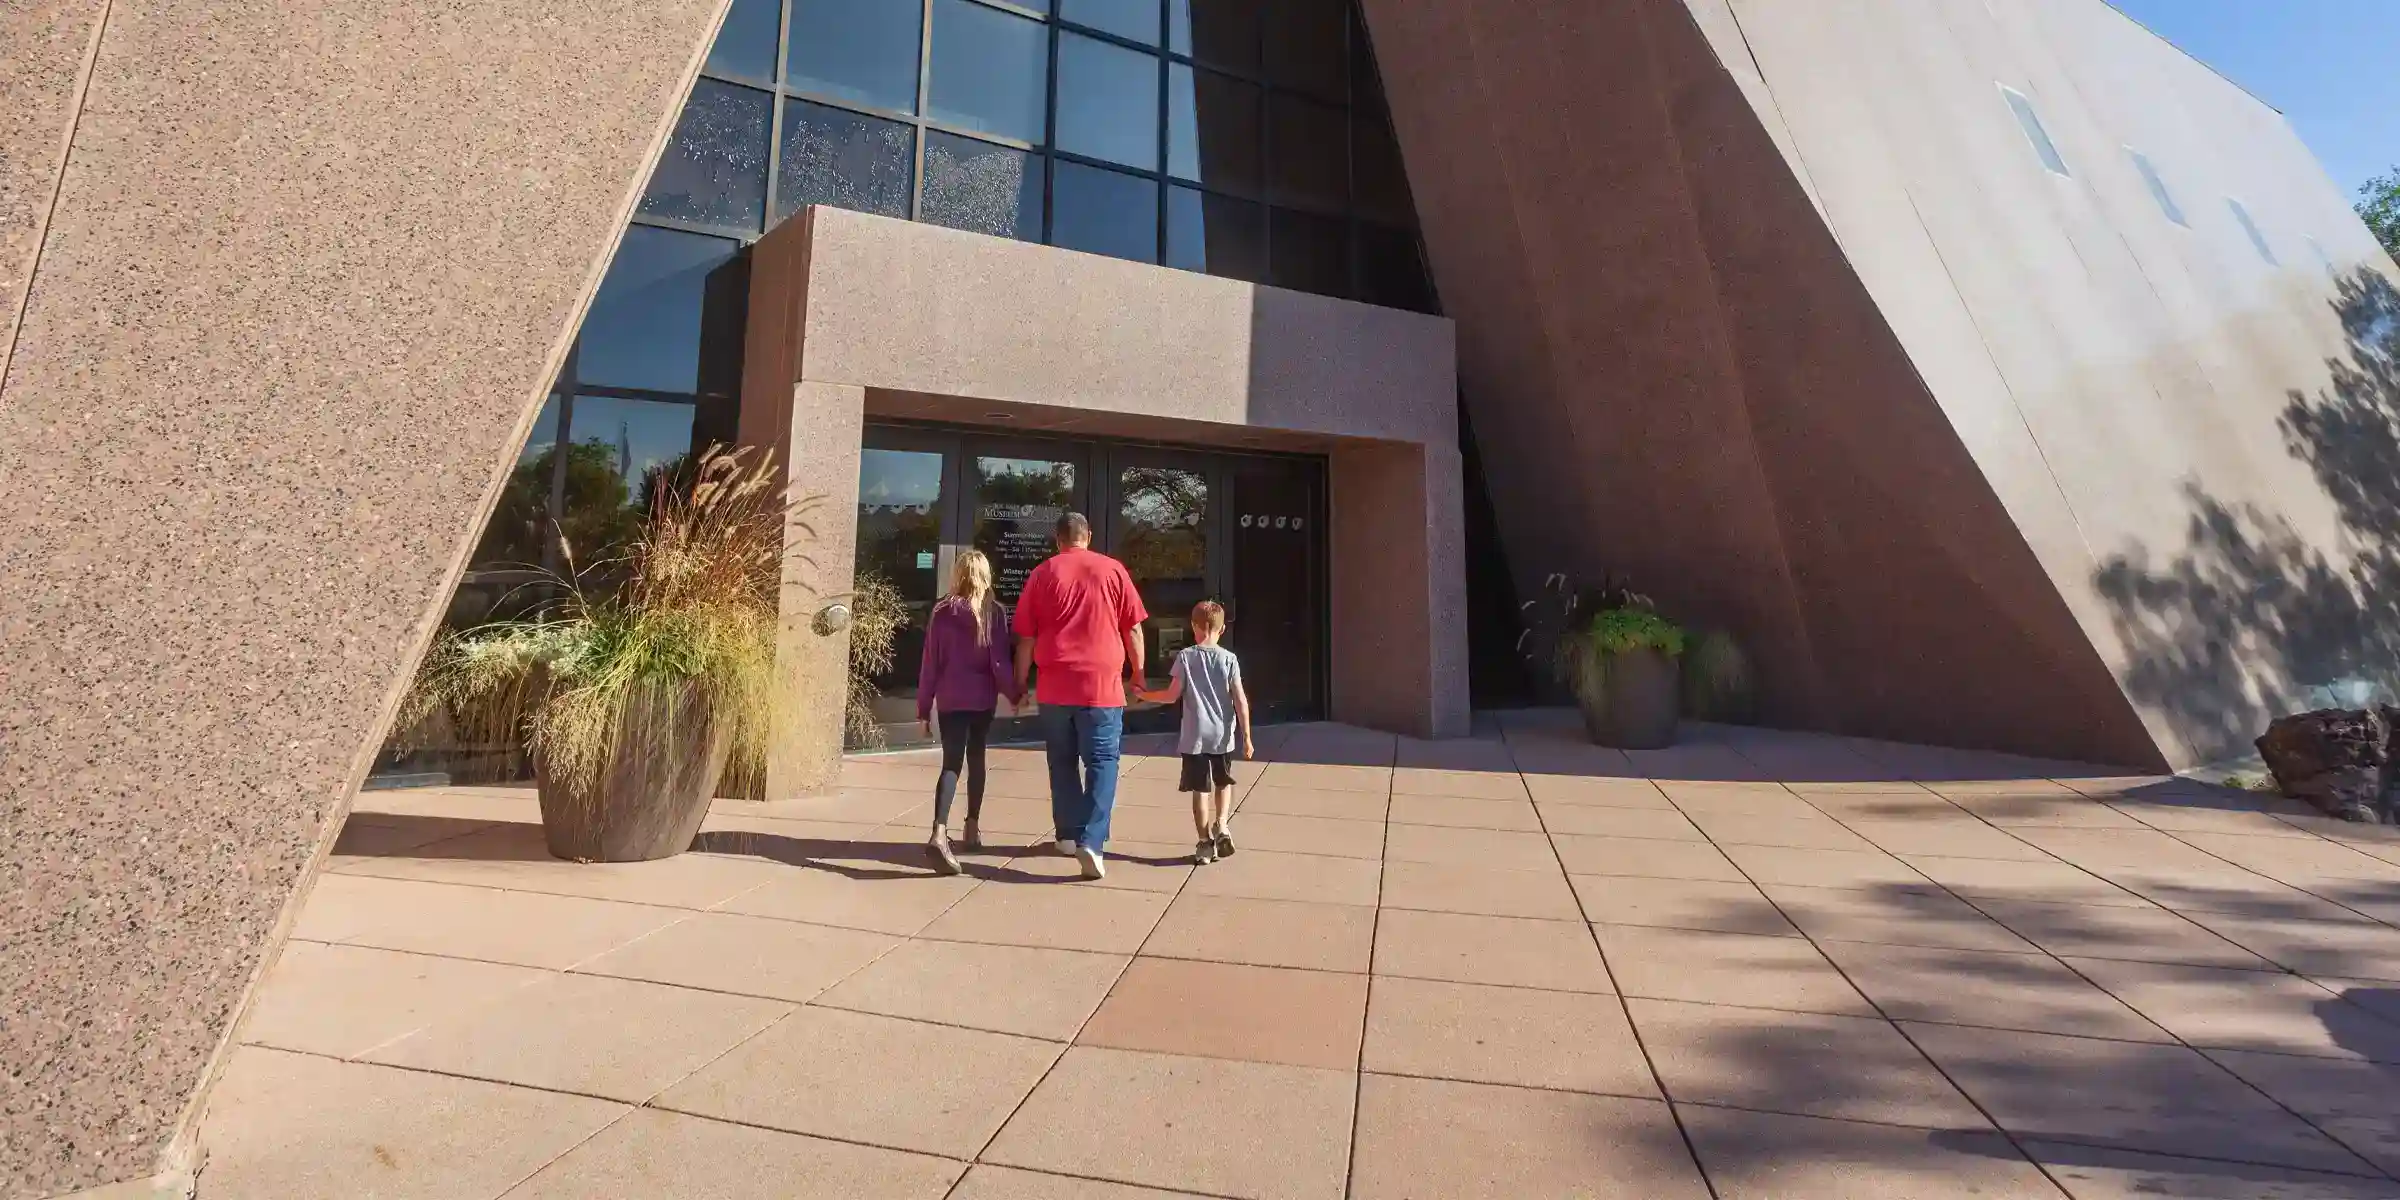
(1216,234)
(900,539)
(1133,20)
(1221,33)
(1107,102)
(515,536)
(1309,153)
(1306,48)
(619,452)
(745,45)
(863,51)
(1213,130)
(714,170)
(981,187)
(1104,212)
(644,328)
(1162,538)
(1017,505)
(990,70)
(1310,253)
(833,156)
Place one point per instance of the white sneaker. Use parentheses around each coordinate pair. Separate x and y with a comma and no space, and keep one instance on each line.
(1066,847)
(1092,866)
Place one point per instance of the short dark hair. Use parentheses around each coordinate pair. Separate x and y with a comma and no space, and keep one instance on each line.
(1073,527)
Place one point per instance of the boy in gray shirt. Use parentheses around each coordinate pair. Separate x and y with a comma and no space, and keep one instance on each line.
(1216,712)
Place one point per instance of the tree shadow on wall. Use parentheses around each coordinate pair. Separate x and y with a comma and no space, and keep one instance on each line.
(2250,614)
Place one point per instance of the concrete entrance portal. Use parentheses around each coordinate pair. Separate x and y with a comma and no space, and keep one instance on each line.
(964,370)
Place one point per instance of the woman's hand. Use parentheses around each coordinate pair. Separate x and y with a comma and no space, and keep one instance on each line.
(925,727)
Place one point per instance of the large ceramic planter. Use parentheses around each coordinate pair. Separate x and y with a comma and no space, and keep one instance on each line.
(1634,703)
(654,793)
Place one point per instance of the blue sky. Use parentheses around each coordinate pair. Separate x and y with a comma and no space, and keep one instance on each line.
(2332,66)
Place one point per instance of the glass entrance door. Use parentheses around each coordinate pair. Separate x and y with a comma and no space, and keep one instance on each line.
(1160,526)
(903,481)
(1277,610)
(1189,525)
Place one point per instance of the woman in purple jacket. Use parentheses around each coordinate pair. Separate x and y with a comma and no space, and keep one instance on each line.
(967,669)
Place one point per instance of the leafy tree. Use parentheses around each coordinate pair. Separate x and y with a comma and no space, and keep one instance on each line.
(2379,206)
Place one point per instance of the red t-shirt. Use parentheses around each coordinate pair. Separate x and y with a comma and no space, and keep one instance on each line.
(1077,606)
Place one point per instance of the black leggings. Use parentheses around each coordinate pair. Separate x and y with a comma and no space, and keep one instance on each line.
(962,741)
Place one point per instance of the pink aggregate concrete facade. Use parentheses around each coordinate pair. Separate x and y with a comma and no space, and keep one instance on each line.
(297,301)
(1774,307)
(854,315)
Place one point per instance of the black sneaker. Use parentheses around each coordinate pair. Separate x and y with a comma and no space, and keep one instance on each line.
(1205,852)
(1224,842)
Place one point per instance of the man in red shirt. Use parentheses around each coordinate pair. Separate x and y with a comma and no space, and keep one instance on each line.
(1080,621)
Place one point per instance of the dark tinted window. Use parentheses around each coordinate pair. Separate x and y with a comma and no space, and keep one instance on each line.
(645,325)
(1104,212)
(1221,33)
(1135,19)
(1306,48)
(1308,153)
(714,170)
(1214,133)
(1308,253)
(1375,171)
(863,51)
(745,46)
(1107,101)
(833,156)
(979,186)
(1216,234)
(990,70)
(1390,271)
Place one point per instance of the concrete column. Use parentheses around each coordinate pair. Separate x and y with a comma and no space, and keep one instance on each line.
(1398,589)
(827,423)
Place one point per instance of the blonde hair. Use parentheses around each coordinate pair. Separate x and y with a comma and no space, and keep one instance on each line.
(1208,616)
(971,582)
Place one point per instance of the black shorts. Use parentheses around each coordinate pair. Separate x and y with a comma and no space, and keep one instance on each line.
(1207,772)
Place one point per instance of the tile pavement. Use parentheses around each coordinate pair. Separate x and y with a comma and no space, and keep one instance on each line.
(1758,965)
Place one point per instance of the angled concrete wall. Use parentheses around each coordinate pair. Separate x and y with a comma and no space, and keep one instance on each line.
(1772,307)
(309,270)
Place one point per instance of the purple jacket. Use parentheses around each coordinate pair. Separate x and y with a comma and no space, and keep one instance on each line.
(958,674)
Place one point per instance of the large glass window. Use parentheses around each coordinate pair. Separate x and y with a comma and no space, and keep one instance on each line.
(1136,20)
(835,156)
(1221,33)
(1308,253)
(644,328)
(861,51)
(982,187)
(1214,135)
(1104,212)
(1307,153)
(1216,234)
(714,171)
(990,70)
(1107,101)
(1307,46)
(745,45)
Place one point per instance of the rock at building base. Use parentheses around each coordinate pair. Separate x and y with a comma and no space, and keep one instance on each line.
(2336,759)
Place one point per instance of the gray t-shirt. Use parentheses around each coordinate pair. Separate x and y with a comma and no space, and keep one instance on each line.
(1208,674)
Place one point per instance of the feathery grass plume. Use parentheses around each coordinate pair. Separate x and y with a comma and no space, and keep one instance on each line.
(877,615)
(691,618)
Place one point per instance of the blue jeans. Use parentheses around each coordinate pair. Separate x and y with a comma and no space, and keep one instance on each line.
(1082,744)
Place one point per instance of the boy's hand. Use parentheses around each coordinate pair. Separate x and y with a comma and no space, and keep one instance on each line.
(1248,750)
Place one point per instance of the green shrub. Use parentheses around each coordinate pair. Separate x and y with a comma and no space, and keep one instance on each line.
(877,615)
